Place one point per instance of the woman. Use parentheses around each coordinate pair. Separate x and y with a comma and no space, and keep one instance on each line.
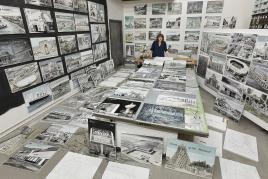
(159,46)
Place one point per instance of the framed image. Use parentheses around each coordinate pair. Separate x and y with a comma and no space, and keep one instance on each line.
(15,51)
(140,23)
(65,22)
(39,2)
(229,22)
(159,8)
(67,44)
(22,77)
(261,48)
(174,8)
(100,51)
(96,12)
(140,9)
(156,23)
(84,41)
(172,36)
(140,36)
(153,34)
(192,36)
(63,4)
(173,23)
(73,62)
(129,37)
(80,5)
(81,22)
(98,32)
(193,22)
(215,6)
(11,20)
(129,22)
(51,69)
(212,22)
(44,47)
(59,88)
(130,50)
(195,7)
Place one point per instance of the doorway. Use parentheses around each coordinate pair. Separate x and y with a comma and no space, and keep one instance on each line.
(116,36)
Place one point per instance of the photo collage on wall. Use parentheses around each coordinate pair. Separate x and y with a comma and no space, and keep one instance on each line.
(149,20)
(43,43)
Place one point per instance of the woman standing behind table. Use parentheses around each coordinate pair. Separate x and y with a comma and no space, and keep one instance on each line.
(159,46)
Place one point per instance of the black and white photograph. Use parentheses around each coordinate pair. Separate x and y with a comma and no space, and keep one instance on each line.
(15,51)
(229,22)
(192,36)
(45,3)
(202,66)
(84,41)
(101,13)
(244,39)
(153,34)
(67,44)
(39,21)
(240,50)
(33,155)
(156,23)
(140,36)
(130,50)
(212,22)
(37,97)
(193,22)
(51,68)
(24,76)
(75,76)
(140,9)
(173,23)
(98,33)
(173,36)
(174,8)
(261,48)
(86,57)
(80,5)
(142,149)
(215,6)
(11,20)
(195,7)
(192,47)
(60,115)
(232,89)
(137,94)
(73,62)
(168,85)
(140,23)
(60,87)
(236,69)
(85,82)
(81,22)
(100,51)
(159,8)
(93,11)
(63,4)
(129,22)
(44,47)
(65,22)
(129,36)
(216,62)
(213,80)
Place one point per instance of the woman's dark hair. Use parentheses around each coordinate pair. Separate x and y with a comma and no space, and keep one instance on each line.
(160,35)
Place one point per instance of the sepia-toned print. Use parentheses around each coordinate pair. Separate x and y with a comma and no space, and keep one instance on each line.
(39,2)
(100,51)
(129,22)
(174,8)
(51,69)
(193,22)
(84,41)
(73,62)
(67,44)
(159,8)
(65,22)
(195,7)
(156,23)
(140,23)
(44,47)
(98,32)
(215,6)
(81,22)
(63,4)
(140,9)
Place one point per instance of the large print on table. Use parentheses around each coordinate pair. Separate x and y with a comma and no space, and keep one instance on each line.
(100,51)
(44,47)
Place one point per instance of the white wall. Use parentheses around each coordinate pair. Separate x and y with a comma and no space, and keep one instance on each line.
(115,9)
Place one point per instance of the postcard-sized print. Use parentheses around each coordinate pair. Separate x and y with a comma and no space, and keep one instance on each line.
(193,22)
(86,83)
(174,8)
(15,51)
(32,156)
(153,34)
(216,62)
(192,36)
(137,94)
(140,9)
(65,22)
(100,51)
(240,51)
(60,87)
(191,158)
(44,47)
(213,80)
(39,2)
(215,6)
(75,76)
(129,36)
(84,41)
(156,23)
(129,22)
(37,97)
(140,23)
(22,77)
(93,11)
(67,44)
(130,50)
(81,22)
(98,32)
(11,145)
(202,66)
(217,42)
(232,89)
(192,47)
(261,48)
(63,4)
(142,149)
(140,47)
(80,5)
(39,21)
(60,115)
(236,69)
(229,22)
(212,22)
(73,62)
(86,57)
(173,23)
(101,13)
(248,40)
(11,20)
(173,36)
(159,8)
(51,69)
(195,7)
(140,36)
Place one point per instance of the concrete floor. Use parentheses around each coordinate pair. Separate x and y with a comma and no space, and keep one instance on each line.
(244,126)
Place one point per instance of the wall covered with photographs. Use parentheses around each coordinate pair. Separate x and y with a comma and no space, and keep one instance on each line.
(43,46)
(233,66)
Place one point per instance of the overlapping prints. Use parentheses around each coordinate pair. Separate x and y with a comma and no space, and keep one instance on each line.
(174,71)
(85,82)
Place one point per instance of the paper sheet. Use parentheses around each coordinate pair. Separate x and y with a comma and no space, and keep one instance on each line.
(216,122)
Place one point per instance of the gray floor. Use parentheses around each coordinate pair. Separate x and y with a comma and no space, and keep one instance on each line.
(244,125)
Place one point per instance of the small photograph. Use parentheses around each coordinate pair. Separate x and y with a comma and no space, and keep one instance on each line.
(24,76)
(168,85)
(202,65)
(129,37)
(173,36)
(215,6)
(80,5)
(60,87)
(101,13)
(140,9)
(156,23)
(130,50)
(229,22)
(39,2)
(75,76)
(191,47)
(87,58)
(86,83)
(212,22)
(261,48)
(65,22)
(44,47)
(129,22)
(137,94)
(15,51)
(216,62)
(60,115)
(142,149)
(37,97)
(73,62)
(67,44)
(191,158)
(11,21)
(232,90)
(100,51)
(84,41)
(153,34)
(33,155)
(193,22)
(96,12)
(174,8)
(63,4)
(192,36)
(236,69)
(140,36)
(140,47)
(173,23)
(213,80)
(258,75)
(98,32)
(213,42)
(159,8)
(39,21)
(140,23)
(195,7)
(51,69)
(81,22)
